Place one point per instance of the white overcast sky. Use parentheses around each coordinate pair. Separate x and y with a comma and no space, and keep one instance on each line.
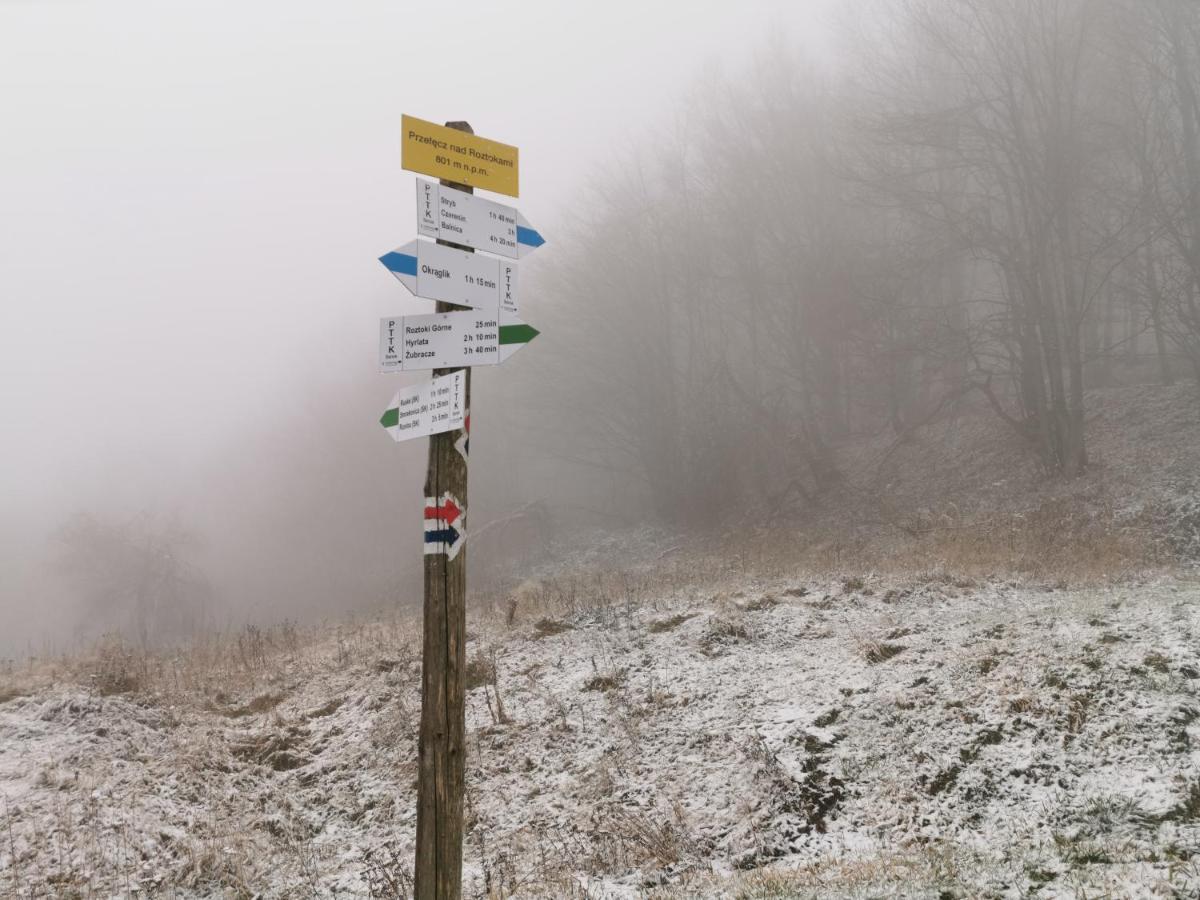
(193,195)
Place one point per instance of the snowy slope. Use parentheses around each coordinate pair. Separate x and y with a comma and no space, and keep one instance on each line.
(866,737)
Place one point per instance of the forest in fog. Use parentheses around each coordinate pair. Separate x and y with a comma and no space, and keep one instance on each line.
(997,205)
(975,207)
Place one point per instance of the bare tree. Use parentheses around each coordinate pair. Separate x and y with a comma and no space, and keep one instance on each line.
(133,575)
(1018,111)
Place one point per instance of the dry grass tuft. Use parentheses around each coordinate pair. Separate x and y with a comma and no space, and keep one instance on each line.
(10,691)
(720,632)
(608,681)
(1020,705)
(1159,662)
(661,625)
(760,604)
(118,669)
(481,670)
(875,652)
(548,627)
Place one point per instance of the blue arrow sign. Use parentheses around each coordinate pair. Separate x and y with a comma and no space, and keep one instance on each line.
(528,237)
(400,263)
(448,214)
(437,272)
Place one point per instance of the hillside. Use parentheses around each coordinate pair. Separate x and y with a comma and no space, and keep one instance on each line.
(967,492)
(954,678)
(684,732)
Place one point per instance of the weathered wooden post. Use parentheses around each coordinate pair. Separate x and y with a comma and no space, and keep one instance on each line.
(475,323)
(440,747)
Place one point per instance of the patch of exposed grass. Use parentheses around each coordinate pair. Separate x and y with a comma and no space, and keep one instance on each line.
(481,670)
(260,704)
(10,692)
(1077,714)
(1187,810)
(669,624)
(118,669)
(875,652)
(722,631)
(325,709)
(547,627)
(943,780)
(604,681)
(1054,680)
(1077,852)
(759,604)
(827,718)
(1159,662)
(1040,876)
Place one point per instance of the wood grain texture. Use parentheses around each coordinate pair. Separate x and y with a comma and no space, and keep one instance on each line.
(441,743)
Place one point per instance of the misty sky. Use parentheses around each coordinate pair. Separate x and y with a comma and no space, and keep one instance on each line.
(193,196)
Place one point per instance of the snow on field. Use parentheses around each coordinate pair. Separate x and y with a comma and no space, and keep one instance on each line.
(916,736)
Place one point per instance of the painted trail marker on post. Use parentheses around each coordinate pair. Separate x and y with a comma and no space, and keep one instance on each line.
(458,156)
(453,215)
(438,272)
(445,527)
(425,409)
(449,340)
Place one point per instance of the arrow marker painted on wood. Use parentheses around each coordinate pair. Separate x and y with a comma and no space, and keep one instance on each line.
(438,272)
(448,535)
(450,340)
(441,533)
(447,512)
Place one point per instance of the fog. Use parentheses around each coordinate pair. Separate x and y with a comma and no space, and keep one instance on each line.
(838,533)
(192,198)
(785,241)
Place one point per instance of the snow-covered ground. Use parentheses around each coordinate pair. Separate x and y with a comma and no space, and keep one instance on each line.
(918,736)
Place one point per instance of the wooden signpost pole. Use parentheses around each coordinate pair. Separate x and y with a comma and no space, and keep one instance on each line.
(476,323)
(441,745)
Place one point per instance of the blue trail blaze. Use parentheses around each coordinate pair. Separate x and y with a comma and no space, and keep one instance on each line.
(447,536)
(400,263)
(529,237)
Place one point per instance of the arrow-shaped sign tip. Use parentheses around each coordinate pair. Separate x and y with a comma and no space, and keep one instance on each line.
(390,418)
(517,334)
(530,237)
(399,263)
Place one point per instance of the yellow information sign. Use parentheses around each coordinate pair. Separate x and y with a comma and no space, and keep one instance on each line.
(458,156)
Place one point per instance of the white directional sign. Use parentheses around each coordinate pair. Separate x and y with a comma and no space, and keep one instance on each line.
(449,340)
(436,272)
(425,409)
(454,215)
